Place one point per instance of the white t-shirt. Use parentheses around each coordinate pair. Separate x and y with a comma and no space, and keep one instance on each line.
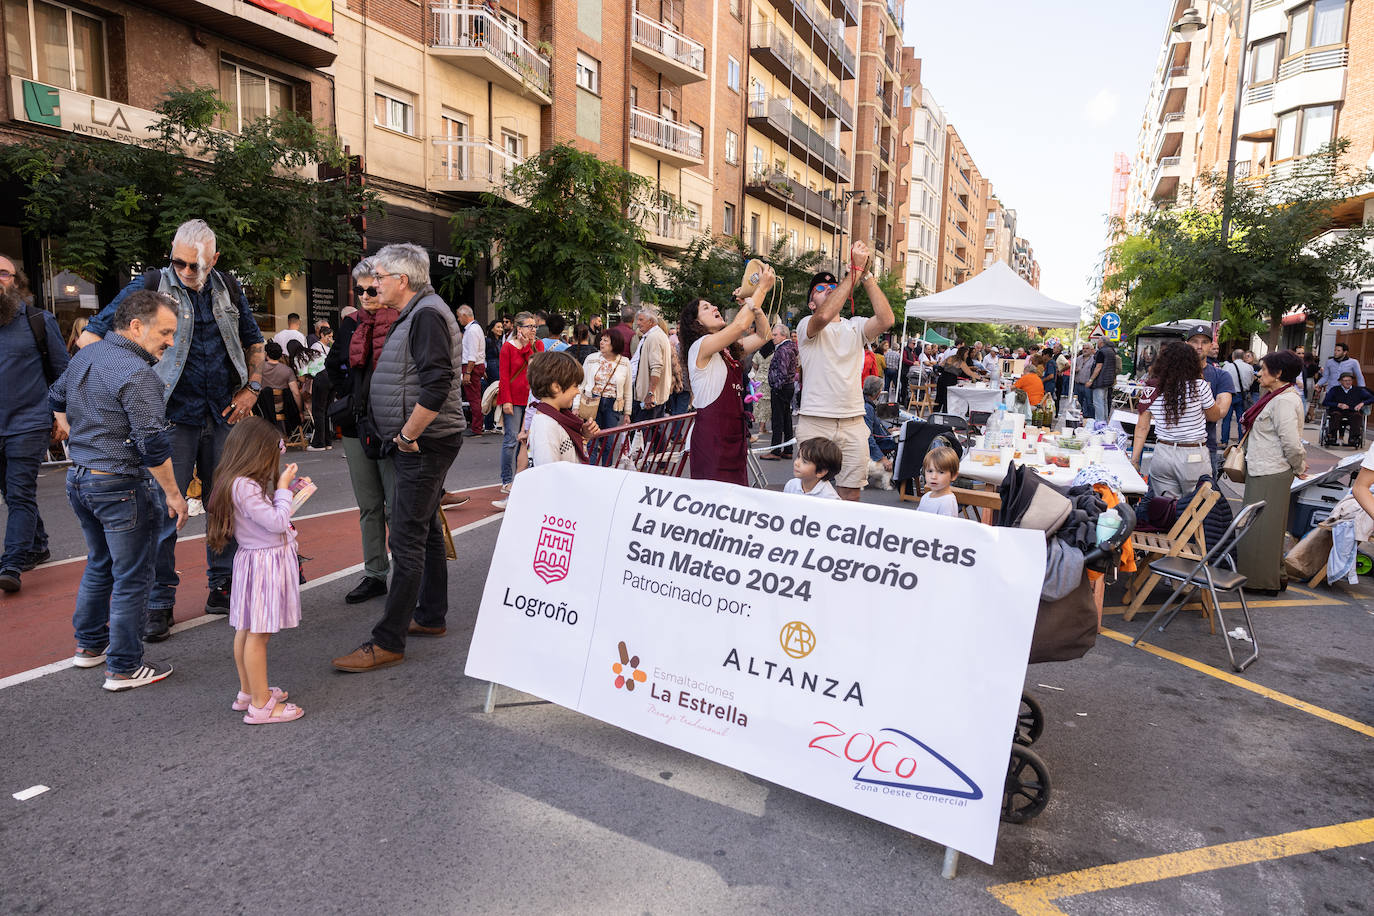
(1192,425)
(707,383)
(940,505)
(823,488)
(549,441)
(281,337)
(832,363)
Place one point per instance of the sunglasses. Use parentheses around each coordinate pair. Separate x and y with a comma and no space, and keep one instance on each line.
(179,264)
(365,290)
(825,287)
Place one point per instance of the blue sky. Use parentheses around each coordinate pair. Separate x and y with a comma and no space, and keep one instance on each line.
(1043,92)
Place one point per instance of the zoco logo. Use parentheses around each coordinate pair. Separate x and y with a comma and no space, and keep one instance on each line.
(627,671)
(553,553)
(797,639)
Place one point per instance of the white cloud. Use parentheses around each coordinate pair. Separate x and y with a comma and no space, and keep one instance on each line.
(1101,107)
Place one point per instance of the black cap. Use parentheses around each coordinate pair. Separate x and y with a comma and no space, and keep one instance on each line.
(1199,330)
(824,276)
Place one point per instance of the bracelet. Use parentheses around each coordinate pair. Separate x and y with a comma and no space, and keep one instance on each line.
(406,439)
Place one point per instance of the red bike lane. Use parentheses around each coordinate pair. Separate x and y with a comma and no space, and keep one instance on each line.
(36,622)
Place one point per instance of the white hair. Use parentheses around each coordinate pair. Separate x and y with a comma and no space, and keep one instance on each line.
(781,328)
(407,259)
(362,269)
(652,313)
(197,234)
(464,310)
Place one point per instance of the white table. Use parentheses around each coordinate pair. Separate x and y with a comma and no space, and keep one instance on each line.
(1132,484)
(962,399)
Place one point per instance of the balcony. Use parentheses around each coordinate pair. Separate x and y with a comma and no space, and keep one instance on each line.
(896,9)
(847,10)
(774,118)
(788,62)
(1174,73)
(665,230)
(255,26)
(1164,183)
(674,143)
(673,54)
(821,33)
(1308,61)
(470,165)
(481,43)
(783,191)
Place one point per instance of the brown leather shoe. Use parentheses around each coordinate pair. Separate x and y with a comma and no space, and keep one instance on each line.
(418,630)
(368,657)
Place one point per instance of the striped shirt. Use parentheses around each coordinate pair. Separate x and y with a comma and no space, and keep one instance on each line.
(1191,425)
(113,402)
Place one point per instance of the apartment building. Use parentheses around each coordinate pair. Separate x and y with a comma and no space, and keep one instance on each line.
(966,194)
(911,95)
(99,69)
(880,128)
(1024,263)
(999,232)
(925,193)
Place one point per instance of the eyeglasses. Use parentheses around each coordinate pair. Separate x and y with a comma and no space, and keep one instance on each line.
(365,290)
(528,327)
(6,274)
(825,287)
(179,264)
(377,276)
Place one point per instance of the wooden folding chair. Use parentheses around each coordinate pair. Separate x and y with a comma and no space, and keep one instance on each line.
(985,502)
(1185,540)
(922,400)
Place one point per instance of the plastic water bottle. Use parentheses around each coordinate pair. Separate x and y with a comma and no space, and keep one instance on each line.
(997,428)
(1108,523)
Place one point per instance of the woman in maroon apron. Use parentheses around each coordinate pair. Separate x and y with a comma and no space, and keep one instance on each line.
(714,352)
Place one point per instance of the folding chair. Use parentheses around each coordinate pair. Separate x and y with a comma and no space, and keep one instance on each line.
(1185,540)
(1206,572)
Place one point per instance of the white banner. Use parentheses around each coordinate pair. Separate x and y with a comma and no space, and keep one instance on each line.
(869,656)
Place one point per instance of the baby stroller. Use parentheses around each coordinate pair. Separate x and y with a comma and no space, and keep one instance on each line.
(1330,435)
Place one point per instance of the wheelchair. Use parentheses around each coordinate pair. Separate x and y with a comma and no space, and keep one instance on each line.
(1328,437)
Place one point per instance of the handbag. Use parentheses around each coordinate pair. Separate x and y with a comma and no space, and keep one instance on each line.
(492,390)
(1233,461)
(587,407)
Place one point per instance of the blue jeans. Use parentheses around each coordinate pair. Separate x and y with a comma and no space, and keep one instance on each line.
(1102,403)
(194,449)
(20,457)
(1237,410)
(1085,401)
(510,429)
(121,517)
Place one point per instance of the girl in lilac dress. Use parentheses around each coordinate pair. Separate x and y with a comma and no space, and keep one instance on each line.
(251,503)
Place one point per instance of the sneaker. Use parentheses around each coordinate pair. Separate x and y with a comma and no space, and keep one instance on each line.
(36,559)
(505,488)
(88,658)
(146,673)
(218,600)
(9,580)
(499,503)
(453,500)
(318,448)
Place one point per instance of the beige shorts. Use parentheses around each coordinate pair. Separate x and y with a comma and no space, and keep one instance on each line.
(851,435)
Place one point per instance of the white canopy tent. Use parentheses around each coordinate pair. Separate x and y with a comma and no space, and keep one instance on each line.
(995,296)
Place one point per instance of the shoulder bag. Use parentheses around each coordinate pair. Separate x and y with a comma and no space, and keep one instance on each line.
(489,396)
(1233,461)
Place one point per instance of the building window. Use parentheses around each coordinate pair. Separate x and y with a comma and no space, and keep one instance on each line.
(731,147)
(452,157)
(729,219)
(69,52)
(588,73)
(1316,25)
(1304,131)
(394,109)
(250,95)
(732,73)
(513,144)
(1264,63)
(906,96)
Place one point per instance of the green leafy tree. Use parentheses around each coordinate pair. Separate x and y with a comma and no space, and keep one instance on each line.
(1173,263)
(712,268)
(108,207)
(574,239)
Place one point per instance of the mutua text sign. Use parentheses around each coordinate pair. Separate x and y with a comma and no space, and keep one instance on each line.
(869,656)
(79,113)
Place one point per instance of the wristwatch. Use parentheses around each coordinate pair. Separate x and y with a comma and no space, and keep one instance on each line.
(255,387)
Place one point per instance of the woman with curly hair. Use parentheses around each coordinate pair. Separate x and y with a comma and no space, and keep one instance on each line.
(712,351)
(1179,404)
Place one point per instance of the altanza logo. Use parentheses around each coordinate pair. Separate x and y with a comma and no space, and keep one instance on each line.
(797,641)
(627,672)
(895,763)
(553,553)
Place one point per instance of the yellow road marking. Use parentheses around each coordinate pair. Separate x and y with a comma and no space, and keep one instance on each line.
(1036,897)
(1300,597)
(1230,678)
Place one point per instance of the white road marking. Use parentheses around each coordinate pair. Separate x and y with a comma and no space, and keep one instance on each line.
(30,792)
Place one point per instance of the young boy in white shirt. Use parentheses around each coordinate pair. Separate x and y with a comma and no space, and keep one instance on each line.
(818,461)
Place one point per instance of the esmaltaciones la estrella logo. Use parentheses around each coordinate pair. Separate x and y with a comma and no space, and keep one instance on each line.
(627,671)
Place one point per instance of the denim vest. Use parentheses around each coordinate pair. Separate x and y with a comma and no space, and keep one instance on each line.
(226,318)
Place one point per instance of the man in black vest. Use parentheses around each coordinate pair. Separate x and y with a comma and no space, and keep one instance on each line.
(416,402)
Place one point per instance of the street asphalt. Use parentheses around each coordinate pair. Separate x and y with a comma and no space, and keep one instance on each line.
(396,794)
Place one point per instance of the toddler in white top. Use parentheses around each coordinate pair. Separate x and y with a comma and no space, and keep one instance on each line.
(940,467)
(818,461)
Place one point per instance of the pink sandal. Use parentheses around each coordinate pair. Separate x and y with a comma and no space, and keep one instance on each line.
(263,715)
(244,699)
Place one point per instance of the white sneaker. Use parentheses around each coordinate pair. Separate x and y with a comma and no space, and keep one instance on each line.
(499,503)
(145,674)
(505,488)
(88,658)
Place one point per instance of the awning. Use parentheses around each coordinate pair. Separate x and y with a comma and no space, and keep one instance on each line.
(932,337)
(1297,316)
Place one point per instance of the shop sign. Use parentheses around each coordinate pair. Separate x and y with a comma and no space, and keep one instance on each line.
(86,115)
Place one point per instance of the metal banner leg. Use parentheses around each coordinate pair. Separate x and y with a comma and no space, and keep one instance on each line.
(951,866)
(490,703)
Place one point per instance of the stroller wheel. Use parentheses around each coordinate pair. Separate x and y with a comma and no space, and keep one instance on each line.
(1027,788)
(1030,721)
(1363,564)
